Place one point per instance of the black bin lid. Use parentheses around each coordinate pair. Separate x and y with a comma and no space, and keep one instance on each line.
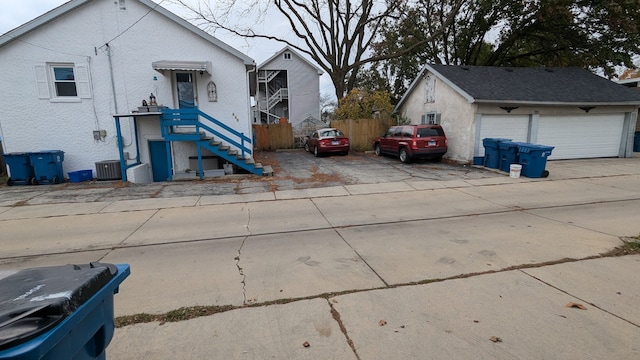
(34,300)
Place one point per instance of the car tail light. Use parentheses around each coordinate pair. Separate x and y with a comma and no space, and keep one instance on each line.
(324,142)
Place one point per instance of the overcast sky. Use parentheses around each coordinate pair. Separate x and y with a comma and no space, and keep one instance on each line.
(14,13)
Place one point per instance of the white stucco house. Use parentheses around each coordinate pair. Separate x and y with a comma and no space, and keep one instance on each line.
(581,114)
(76,77)
(288,87)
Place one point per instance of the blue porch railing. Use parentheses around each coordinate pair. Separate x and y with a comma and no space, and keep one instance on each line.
(191,117)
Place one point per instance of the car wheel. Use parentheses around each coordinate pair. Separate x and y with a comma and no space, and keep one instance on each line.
(437,158)
(316,153)
(345,153)
(376,150)
(404,156)
(9,182)
(306,147)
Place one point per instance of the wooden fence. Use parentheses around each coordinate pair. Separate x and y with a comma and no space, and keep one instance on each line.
(273,136)
(361,132)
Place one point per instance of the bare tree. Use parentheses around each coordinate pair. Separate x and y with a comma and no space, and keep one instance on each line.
(337,34)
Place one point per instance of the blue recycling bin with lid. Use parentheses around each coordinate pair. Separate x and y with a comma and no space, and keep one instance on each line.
(492,152)
(47,166)
(58,312)
(533,158)
(20,168)
(508,153)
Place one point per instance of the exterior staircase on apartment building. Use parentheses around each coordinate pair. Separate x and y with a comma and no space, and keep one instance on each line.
(226,143)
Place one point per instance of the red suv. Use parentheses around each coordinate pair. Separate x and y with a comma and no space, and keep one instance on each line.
(412,141)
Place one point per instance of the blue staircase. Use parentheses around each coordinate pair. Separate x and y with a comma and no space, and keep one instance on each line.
(233,146)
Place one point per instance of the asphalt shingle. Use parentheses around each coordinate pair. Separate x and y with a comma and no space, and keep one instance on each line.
(538,85)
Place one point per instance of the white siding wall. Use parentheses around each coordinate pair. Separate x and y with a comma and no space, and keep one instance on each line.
(457,118)
(29,123)
(304,86)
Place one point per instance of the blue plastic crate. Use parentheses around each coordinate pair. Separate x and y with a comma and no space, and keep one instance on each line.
(80,176)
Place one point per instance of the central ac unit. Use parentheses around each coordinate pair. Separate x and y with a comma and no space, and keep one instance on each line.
(108,170)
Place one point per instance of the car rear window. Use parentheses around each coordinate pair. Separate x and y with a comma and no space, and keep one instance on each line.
(426,132)
(328,133)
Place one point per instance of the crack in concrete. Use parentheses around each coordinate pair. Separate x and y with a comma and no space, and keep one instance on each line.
(336,316)
(577,297)
(237,259)
(349,245)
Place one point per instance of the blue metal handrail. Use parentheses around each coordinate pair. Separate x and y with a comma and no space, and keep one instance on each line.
(191,117)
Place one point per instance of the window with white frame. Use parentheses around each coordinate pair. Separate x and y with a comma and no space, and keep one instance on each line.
(122,5)
(63,81)
(287,56)
(430,118)
(429,88)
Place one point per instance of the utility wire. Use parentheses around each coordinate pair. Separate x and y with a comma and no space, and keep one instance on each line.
(134,24)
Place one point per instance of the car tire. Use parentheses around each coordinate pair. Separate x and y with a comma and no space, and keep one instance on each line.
(376,150)
(306,147)
(316,153)
(437,158)
(403,155)
(345,153)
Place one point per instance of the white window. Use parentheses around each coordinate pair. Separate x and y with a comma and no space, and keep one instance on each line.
(430,118)
(122,4)
(287,56)
(63,82)
(429,89)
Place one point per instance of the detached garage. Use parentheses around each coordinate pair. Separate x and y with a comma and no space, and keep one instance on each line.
(579,113)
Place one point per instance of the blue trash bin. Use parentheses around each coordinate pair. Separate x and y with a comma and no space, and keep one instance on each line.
(636,142)
(492,152)
(508,153)
(20,168)
(533,158)
(59,312)
(47,166)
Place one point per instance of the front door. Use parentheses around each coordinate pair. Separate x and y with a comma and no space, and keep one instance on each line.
(160,154)
(186,90)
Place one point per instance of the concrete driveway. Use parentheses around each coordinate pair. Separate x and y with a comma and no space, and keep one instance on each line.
(417,268)
(293,170)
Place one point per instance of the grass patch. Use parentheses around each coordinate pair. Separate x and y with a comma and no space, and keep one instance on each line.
(631,246)
(181,314)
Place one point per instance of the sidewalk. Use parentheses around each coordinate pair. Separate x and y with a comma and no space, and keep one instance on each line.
(422,269)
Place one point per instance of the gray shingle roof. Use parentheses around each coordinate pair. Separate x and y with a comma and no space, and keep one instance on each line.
(566,85)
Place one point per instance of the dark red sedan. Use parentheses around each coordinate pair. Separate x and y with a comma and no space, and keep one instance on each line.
(325,141)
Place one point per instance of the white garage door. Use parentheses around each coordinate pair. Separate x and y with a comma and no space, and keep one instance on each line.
(514,127)
(581,136)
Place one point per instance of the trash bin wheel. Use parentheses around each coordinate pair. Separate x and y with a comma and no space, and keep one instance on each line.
(56,180)
(33,181)
(545,173)
(9,182)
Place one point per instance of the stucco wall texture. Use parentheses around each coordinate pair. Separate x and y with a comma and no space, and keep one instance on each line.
(105,39)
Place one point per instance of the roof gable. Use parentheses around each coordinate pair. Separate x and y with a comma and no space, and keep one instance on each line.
(527,85)
(289,49)
(73,4)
